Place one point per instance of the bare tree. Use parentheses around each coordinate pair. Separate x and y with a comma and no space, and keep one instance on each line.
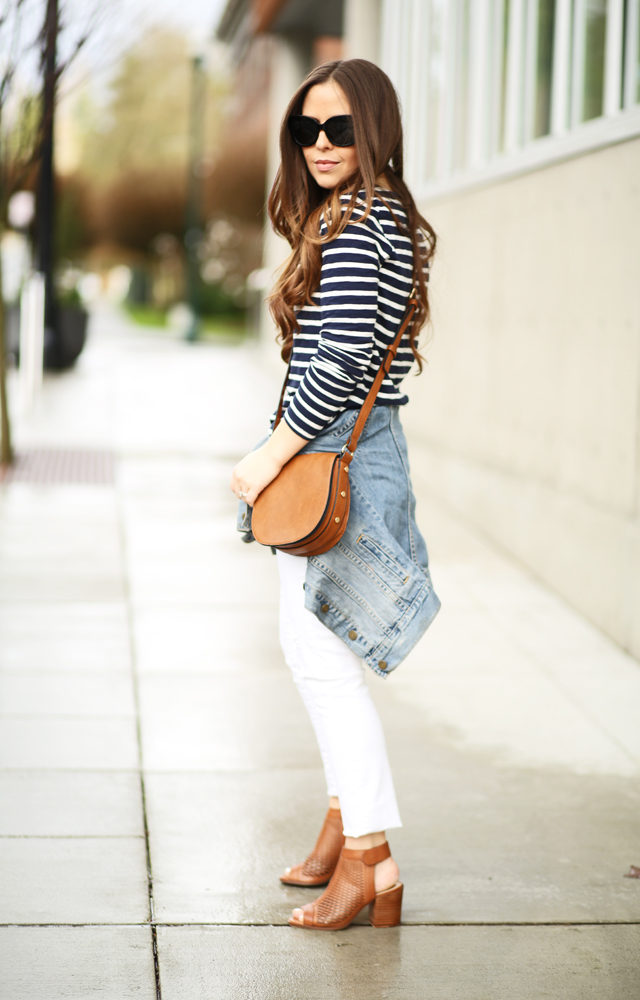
(26,121)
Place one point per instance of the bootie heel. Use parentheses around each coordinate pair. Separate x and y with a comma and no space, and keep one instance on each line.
(352,887)
(387,906)
(320,865)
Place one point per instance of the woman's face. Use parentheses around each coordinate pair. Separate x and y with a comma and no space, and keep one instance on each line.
(328,165)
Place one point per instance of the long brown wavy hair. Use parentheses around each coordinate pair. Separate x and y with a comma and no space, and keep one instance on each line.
(297,203)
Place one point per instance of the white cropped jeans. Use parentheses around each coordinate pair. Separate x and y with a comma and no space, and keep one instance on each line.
(330,679)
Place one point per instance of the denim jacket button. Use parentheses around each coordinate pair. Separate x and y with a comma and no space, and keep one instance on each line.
(324,608)
(382,664)
(353,634)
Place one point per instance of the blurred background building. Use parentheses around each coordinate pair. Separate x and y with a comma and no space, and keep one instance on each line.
(522,123)
(158,159)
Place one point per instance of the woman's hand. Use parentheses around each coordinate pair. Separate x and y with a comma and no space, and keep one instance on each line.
(253,473)
(260,467)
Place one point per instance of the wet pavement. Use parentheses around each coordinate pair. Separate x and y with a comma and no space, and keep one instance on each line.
(157,770)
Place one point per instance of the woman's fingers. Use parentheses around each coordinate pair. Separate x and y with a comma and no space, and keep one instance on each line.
(249,495)
(242,490)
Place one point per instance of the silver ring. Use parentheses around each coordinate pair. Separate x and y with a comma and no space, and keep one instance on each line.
(242,494)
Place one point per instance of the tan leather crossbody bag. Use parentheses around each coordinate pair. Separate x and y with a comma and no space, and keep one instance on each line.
(304,510)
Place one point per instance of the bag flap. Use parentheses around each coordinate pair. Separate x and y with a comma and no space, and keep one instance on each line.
(291,506)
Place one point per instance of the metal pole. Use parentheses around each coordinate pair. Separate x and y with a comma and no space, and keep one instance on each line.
(46,191)
(193,217)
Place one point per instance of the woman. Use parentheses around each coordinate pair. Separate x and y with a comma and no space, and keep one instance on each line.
(359,246)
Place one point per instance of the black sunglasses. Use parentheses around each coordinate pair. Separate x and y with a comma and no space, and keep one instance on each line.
(338,130)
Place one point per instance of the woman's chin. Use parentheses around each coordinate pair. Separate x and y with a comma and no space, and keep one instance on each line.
(328,180)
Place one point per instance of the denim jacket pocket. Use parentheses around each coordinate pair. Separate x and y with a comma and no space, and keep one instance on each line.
(383,559)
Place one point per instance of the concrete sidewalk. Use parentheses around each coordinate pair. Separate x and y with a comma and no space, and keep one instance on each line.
(158,770)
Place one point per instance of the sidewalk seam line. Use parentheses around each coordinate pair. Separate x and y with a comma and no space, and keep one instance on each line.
(405,923)
(138,720)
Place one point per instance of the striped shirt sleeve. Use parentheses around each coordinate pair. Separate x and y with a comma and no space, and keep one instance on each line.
(348,296)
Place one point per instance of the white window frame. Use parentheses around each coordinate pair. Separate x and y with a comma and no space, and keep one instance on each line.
(405,41)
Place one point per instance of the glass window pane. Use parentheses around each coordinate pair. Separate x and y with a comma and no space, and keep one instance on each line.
(637,54)
(501,35)
(594,43)
(544,66)
(631,48)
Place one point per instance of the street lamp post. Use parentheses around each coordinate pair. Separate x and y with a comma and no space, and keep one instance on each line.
(46,186)
(193,216)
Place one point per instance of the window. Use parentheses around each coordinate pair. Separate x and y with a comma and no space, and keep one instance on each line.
(499,36)
(492,87)
(632,54)
(589,34)
(543,67)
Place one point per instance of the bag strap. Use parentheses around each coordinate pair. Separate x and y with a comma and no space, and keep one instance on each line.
(385,367)
(367,406)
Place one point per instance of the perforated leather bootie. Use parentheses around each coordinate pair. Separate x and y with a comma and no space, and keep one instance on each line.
(351,888)
(320,865)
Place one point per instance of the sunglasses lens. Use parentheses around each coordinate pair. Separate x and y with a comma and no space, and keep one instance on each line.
(339,130)
(304,130)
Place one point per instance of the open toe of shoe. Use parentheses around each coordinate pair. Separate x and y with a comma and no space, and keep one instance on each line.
(297,917)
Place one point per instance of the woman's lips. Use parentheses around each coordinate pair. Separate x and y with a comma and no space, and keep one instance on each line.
(326,164)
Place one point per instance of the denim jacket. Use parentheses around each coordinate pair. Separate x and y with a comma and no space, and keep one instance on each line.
(373,588)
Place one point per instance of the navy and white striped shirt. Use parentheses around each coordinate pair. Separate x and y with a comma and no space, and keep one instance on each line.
(365,283)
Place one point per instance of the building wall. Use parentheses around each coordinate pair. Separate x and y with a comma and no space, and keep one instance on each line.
(527,420)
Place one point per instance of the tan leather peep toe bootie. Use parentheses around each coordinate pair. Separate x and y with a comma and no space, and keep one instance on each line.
(351,888)
(320,865)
